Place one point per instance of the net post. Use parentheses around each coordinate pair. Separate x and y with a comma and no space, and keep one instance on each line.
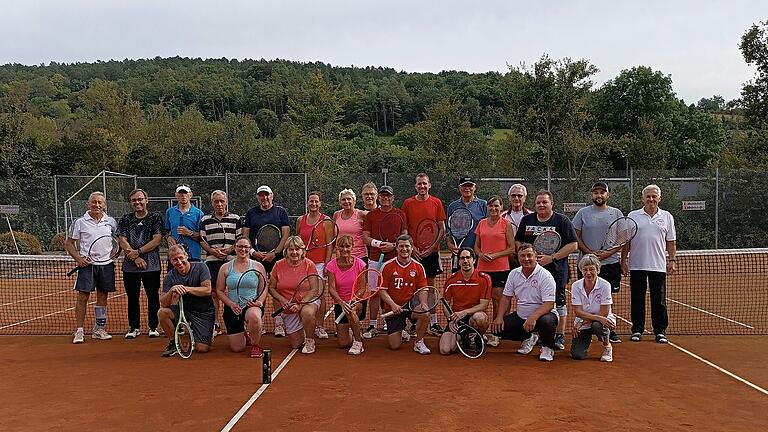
(717,206)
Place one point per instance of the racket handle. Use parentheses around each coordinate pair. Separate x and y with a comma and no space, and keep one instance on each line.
(73,271)
(327,314)
(340,317)
(278,311)
(387,314)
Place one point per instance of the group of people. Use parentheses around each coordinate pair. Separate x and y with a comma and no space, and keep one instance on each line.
(494,264)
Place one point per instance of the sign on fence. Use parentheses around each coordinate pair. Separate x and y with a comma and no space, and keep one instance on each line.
(573,207)
(9,209)
(694,205)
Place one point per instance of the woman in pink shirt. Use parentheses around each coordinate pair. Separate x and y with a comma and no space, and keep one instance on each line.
(342,273)
(495,241)
(350,222)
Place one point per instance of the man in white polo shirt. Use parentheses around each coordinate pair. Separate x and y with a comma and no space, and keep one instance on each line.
(648,264)
(534,288)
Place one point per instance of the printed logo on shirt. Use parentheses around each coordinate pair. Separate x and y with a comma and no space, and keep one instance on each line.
(536,230)
(412,273)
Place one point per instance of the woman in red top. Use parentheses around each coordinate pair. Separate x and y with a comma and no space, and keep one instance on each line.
(285,276)
(495,241)
(320,256)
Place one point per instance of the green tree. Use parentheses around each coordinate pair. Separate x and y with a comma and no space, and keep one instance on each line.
(754,93)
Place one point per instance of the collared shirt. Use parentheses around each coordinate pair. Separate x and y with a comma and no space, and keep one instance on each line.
(467,293)
(86,230)
(591,303)
(531,292)
(515,216)
(479,209)
(220,233)
(648,249)
(190,219)
(593,223)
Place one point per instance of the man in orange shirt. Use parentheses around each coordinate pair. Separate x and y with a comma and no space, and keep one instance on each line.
(403,276)
(469,292)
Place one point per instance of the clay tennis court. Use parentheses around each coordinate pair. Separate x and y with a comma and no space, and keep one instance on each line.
(48,383)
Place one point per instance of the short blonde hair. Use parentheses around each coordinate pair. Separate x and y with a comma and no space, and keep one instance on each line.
(348,192)
(297,243)
(652,187)
(589,260)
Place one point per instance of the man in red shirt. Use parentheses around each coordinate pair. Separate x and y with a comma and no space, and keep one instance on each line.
(469,292)
(403,276)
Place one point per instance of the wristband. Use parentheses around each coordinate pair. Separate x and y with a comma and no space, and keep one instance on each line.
(376,243)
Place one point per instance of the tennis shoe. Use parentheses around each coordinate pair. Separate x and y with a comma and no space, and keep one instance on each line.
(636,337)
(321,333)
(370,333)
(435,330)
(133,334)
(279,330)
(547,354)
(79,337)
(421,348)
(101,334)
(527,346)
(356,348)
(216,329)
(493,340)
(153,333)
(405,335)
(559,342)
(660,338)
(256,351)
(607,354)
(614,338)
(170,349)
(309,346)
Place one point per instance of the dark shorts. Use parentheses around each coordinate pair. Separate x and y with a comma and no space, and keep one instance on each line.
(498,278)
(201,323)
(236,323)
(432,265)
(96,277)
(337,311)
(396,323)
(213,268)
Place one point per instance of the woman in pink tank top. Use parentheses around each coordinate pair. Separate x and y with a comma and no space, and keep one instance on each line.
(350,222)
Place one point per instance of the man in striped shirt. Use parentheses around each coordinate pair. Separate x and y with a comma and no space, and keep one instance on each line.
(218,233)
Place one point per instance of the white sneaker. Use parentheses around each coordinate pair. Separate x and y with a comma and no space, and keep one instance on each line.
(153,333)
(421,348)
(356,348)
(405,335)
(607,354)
(133,334)
(280,330)
(527,346)
(321,333)
(101,334)
(309,346)
(370,333)
(493,340)
(547,354)
(79,337)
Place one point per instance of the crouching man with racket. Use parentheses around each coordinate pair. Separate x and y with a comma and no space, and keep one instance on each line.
(553,239)
(405,294)
(192,282)
(535,317)
(92,242)
(469,292)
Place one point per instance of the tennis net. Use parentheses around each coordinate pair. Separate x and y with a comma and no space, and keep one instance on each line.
(714,292)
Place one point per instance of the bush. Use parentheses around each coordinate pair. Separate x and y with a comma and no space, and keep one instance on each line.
(57,242)
(28,244)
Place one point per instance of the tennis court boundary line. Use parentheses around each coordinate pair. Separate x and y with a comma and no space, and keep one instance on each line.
(233,421)
(709,363)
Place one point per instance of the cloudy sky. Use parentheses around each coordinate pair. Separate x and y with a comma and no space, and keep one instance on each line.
(696,42)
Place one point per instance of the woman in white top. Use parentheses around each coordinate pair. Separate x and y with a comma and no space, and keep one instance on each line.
(591,299)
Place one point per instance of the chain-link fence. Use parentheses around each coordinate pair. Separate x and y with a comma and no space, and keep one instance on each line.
(712,208)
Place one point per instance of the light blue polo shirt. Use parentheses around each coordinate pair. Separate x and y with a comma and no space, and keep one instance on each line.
(190,219)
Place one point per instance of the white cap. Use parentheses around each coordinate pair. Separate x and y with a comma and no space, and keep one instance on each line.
(264,188)
(183,188)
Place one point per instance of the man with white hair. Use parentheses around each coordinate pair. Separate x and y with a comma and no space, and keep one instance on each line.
(516,210)
(648,258)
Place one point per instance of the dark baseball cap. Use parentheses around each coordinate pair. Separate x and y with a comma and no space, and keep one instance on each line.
(466,179)
(386,189)
(600,185)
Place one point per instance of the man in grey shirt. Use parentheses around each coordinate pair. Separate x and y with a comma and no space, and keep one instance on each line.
(591,224)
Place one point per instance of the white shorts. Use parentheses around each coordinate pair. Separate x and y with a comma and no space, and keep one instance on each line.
(320,270)
(293,321)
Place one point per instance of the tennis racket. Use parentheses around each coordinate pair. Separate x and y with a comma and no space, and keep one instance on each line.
(547,243)
(361,291)
(309,290)
(389,228)
(324,234)
(469,341)
(424,300)
(183,337)
(620,232)
(460,224)
(103,250)
(426,236)
(250,286)
(268,238)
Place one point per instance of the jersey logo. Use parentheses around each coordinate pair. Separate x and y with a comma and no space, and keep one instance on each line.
(398,283)
(412,273)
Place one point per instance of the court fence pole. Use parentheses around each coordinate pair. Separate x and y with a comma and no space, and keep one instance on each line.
(56,201)
(717,206)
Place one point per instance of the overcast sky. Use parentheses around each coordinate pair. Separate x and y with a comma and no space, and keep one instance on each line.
(696,42)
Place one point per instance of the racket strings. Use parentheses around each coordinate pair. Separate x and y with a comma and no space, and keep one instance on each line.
(620,233)
(424,300)
(426,235)
(323,234)
(184,341)
(268,238)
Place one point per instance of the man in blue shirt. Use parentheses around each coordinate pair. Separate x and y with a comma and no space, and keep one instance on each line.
(182,222)
(478,207)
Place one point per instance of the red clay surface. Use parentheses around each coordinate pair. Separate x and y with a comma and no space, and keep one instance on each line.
(50,384)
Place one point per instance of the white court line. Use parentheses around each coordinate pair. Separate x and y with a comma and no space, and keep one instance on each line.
(34,298)
(711,313)
(53,313)
(233,421)
(710,364)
